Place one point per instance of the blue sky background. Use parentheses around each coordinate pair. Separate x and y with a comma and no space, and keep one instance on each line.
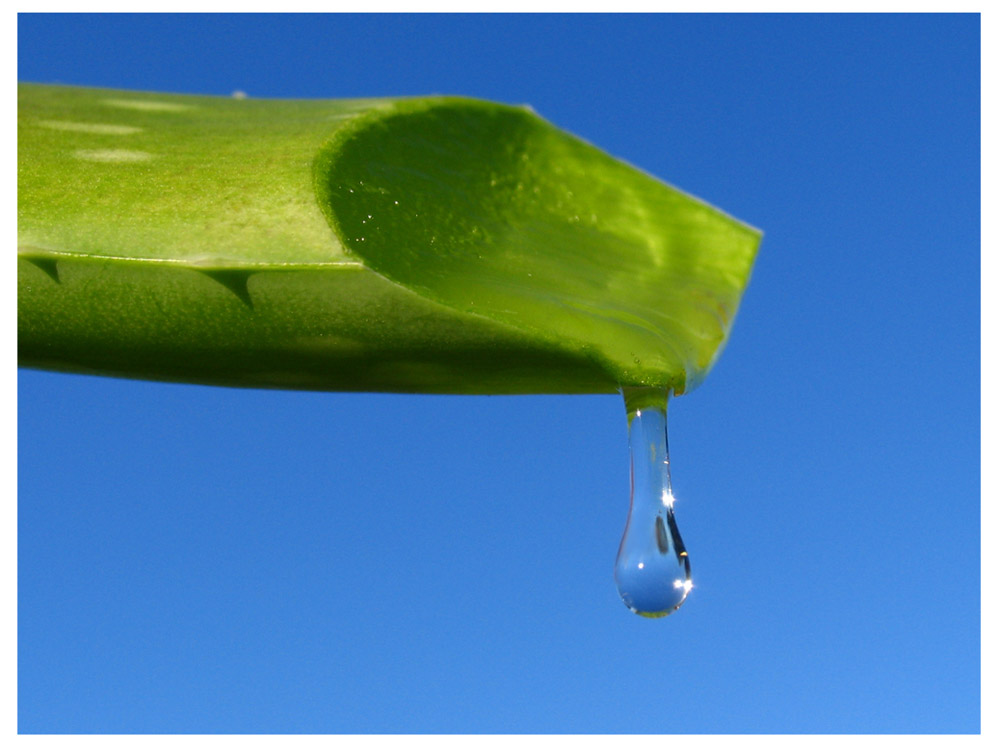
(196,559)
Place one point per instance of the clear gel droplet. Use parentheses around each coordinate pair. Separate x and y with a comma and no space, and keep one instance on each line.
(652,571)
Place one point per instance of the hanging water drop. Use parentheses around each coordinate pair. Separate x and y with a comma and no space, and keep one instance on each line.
(652,571)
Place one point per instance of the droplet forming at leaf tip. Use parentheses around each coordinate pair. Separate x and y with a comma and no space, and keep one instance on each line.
(652,570)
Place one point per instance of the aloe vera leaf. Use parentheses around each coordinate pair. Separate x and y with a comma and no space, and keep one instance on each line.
(436,244)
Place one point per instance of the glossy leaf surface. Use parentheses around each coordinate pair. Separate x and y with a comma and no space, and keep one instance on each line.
(418,245)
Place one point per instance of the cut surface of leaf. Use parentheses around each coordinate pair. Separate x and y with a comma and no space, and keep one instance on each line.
(435,244)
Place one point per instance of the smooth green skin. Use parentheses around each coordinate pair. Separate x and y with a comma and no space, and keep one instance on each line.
(437,245)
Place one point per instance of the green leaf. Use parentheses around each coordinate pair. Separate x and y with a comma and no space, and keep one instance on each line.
(435,244)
